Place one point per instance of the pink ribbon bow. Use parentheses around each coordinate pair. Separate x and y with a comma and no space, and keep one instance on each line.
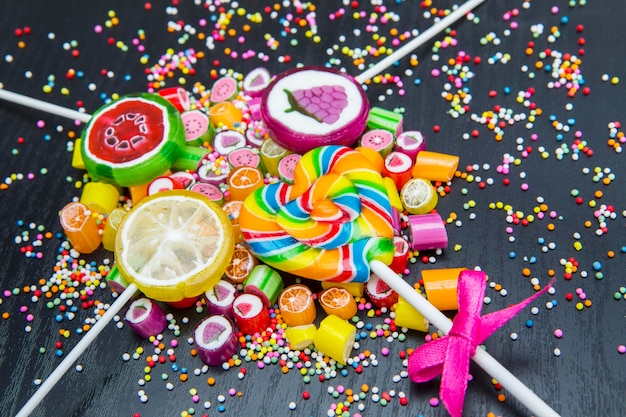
(449,356)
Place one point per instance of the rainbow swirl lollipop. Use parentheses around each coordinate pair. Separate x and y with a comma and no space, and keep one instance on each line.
(329,225)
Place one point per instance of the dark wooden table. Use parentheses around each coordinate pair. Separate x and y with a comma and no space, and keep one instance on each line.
(85,52)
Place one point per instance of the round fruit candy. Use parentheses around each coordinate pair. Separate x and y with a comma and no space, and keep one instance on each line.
(309,107)
(339,302)
(296,305)
(132,140)
(174,245)
(418,196)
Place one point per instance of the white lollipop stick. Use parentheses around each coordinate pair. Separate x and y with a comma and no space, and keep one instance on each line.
(71,357)
(43,106)
(418,41)
(366,75)
(483,359)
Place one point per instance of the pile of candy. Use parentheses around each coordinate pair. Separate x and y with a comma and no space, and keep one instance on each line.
(211,196)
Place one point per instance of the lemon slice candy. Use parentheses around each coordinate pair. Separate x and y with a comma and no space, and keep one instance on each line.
(174,245)
(418,196)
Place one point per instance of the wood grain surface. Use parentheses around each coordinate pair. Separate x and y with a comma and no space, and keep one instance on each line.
(580,374)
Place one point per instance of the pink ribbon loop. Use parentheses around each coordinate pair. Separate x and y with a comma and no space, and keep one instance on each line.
(449,355)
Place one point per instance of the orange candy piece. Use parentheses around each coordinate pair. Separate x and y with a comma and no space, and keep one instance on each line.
(441,287)
(243,180)
(240,265)
(296,305)
(80,227)
(435,166)
(339,302)
(225,114)
(232,209)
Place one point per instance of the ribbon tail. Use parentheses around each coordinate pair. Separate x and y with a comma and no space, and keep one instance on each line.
(454,379)
(491,322)
(426,362)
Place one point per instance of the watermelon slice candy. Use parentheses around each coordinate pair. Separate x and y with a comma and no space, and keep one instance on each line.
(185,178)
(145,317)
(381,295)
(215,340)
(380,140)
(206,172)
(198,129)
(287,166)
(220,298)
(227,141)
(132,140)
(250,314)
(209,190)
(245,156)
(411,143)
(255,82)
(164,183)
(224,89)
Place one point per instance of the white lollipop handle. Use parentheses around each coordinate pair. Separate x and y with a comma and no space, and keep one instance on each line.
(43,106)
(483,359)
(422,38)
(361,78)
(71,357)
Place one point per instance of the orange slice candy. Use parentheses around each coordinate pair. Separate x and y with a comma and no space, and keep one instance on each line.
(296,305)
(338,301)
(232,210)
(240,266)
(80,227)
(244,180)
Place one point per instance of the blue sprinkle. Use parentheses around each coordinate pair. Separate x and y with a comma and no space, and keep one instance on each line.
(564,20)
(529,323)
(174,367)
(221,408)
(59,353)
(507,89)
(597,265)
(369,326)
(417,81)
(344,372)
(541,241)
(512,255)
(532,260)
